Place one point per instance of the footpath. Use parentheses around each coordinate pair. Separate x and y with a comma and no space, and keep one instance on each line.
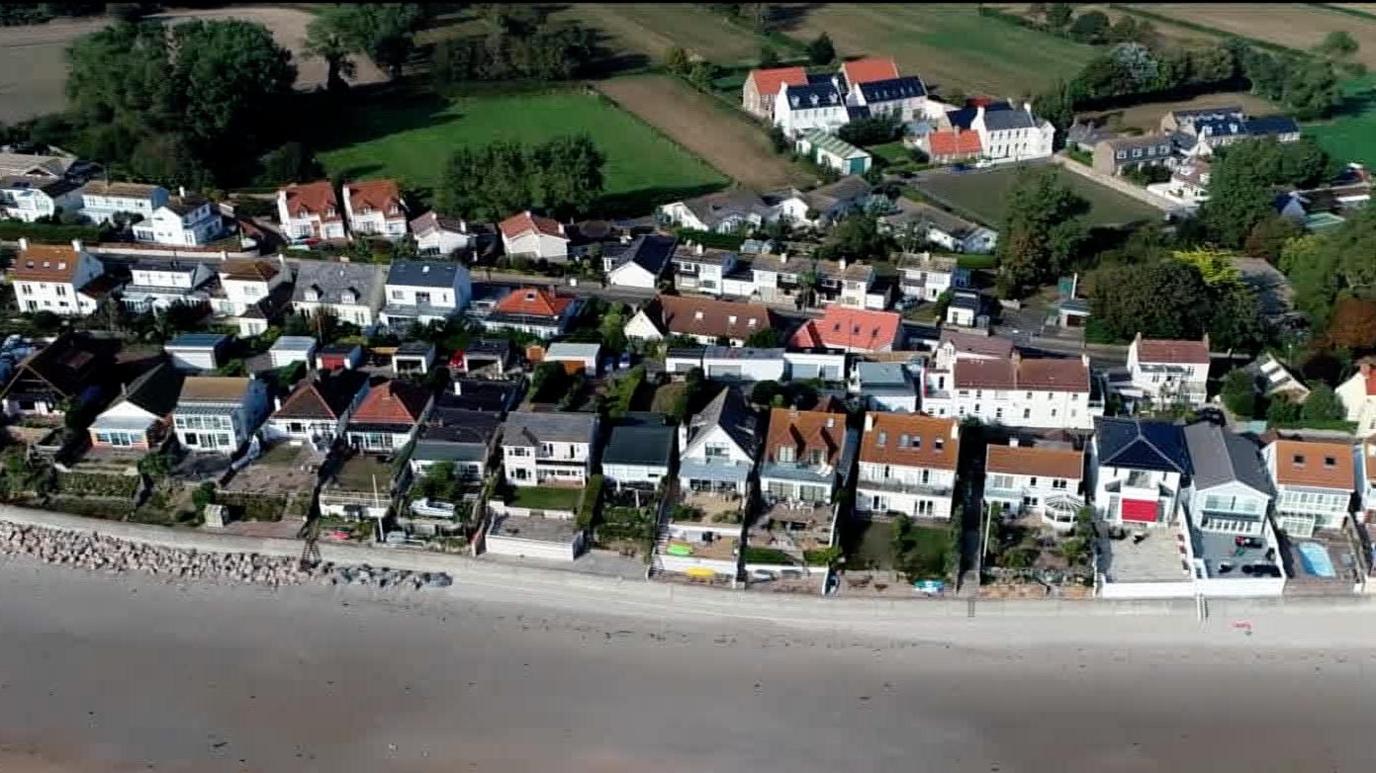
(575,589)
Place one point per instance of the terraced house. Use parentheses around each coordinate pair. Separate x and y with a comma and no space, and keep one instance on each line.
(704,320)
(1042,393)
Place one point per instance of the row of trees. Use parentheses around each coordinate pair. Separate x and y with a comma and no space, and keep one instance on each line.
(383,32)
(1244,178)
(1333,274)
(518,43)
(1043,232)
(563,176)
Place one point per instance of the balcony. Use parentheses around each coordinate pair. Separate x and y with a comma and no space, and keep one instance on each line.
(897,486)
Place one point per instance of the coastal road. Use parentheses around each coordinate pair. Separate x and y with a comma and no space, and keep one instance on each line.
(125,673)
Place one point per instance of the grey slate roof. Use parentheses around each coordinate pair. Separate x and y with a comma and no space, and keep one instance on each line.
(1007,118)
(421,273)
(526,428)
(649,251)
(332,279)
(460,425)
(639,444)
(1220,457)
(728,411)
(197,341)
(892,89)
(813,95)
(1142,444)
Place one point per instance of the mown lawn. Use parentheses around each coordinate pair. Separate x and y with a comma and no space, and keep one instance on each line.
(983,195)
(1352,135)
(542,498)
(411,139)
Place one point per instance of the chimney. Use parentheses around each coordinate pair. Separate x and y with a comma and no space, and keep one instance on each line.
(277,403)
(23,244)
(1013,442)
(783,257)
(869,422)
(1206,343)
(76,245)
(1084,358)
(181,191)
(843,264)
(697,249)
(979,113)
(1027,107)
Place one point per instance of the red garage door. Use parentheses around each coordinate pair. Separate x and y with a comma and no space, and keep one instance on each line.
(1139,511)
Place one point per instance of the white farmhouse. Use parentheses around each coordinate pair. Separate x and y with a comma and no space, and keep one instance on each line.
(800,108)
(907,466)
(57,278)
(1007,133)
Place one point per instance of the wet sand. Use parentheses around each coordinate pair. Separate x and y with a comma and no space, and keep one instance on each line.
(127,673)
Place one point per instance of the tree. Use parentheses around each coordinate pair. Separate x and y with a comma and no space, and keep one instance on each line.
(613,328)
(570,174)
(1337,44)
(1090,27)
(1163,299)
(768,57)
(1268,237)
(1312,269)
(292,162)
(1058,15)
(1058,107)
(875,130)
(764,392)
(1234,318)
(1215,266)
(777,139)
(1239,394)
(702,73)
(1042,232)
(170,160)
(856,238)
(381,31)
(676,61)
(1322,404)
(325,39)
(821,51)
(1353,324)
(460,192)
(767,338)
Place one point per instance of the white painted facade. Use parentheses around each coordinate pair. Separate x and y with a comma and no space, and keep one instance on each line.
(719,366)
(1358,400)
(25,199)
(63,298)
(919,492)
(1017,144)
(536,244)
(241,294)
(1031,408)
(218,426)
(1165,383)
(1160,486)
(100,204)
(197,227)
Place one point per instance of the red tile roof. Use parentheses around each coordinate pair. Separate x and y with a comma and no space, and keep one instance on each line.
(45,263)
(1043,374)
(841,327)
(768,82)
(392,402)
(683,315)
(317,198)
(955,142)
(1321,465)
(1173,351)
(525,222)
(911,439)
(805,431)
(248,270)
(1041,462)
(533,302)
(867,70)
(379,195)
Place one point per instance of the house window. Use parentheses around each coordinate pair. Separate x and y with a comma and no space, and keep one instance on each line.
(787,454)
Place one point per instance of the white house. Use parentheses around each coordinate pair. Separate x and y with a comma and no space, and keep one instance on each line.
(31,198)
(921,223)
(436,234)
(705,320)
(388,417)
(966,309)
(702,269)
(743,363)
(190,221)
(318,410)
(289,349)
(1007,133)
(1229,490)
(197,351)
(219,413)
(804,107)
(425,291)
(1314,484)
(1046,481)
(924,276)
(802,457)
(722,212)
(1139,467)
(1358,396)
(907,466)
(826,366)
(247,282)
(903,98)
(350,292)
(1168,371)
(102,200)
(534,236)
(375,208)
(56,278)
(823,206)
(548,448)
(885,386)
(538,311)
(575,355)
(310,211)
(781,279)
(638,262)
(639,451)
(832,152)
(718,446)
(156,285)
(139,419)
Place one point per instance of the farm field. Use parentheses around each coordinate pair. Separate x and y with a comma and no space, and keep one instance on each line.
(1352,135)
(33,65)
(724,137)
(950,46)
(410,140)
(1147,117)
(1294,25)
(652,29)
(982,195)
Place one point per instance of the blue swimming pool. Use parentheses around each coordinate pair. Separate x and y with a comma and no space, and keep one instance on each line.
(1315,559)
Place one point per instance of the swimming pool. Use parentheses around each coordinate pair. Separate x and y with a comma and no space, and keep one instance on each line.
(1315,559)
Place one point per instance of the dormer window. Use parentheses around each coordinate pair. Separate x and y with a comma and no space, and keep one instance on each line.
(697,315)
(1298,460)
(1329,462)
(883,439)
(786,454)
(939,443)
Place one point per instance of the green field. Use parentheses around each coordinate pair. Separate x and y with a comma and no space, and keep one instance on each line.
(951,46)
(982,195)
(1352,135)
(410,141)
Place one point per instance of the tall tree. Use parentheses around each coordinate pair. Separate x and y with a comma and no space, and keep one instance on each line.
(1353,324)
(325,39)
(1042,232)
(1165,299)
(381,31)
(570,174)
(821,50)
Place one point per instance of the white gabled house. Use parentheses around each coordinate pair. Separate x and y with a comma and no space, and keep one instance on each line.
(639,452)
(1314,484)
(156,285)
(1139,468)
(924,276)
(351,292)
(718,446)
(436,234)
(101,201)
(184,220)
(722,212)
(638,262)
(1168,371)
(219,413)
(1046,481)
(425,291)
(248,282)
(907,466)
(548,448)
(1229,490)
(31,198)
(375,208)
(310,211)
(531,235)
(810,106)
(1041,393)
(57,278)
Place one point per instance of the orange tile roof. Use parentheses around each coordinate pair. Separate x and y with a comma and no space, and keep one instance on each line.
(1041,462)
(392,402)
(841,327)
(46,263)
(1173,351)
(867,70)
(525,222)
(1053,374)
(317,198)
(1305,463)
(214,389)
(804,432)
(379,195)
(248,270)
(911,439)
(956,142)
(683,315)
(533,302)
(1369,449)
(768,82)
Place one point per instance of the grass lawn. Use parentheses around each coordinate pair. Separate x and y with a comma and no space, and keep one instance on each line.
(1352,135)
(410,140)
(543,498)
(360,472)
(982,195)
(869,545)
(950,45)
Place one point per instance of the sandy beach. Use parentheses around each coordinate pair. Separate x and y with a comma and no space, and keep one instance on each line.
(102,672)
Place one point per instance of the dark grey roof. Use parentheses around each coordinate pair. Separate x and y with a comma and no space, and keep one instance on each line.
(457,425)
(413,348)
(639,444)
(156,391)
(728,411)
(1218,458)
(197,341)
(422,273)
(894,88)
(649,251)
(713,208)
(813,95)
(1206,112)
(1007,117)
(479,395)
(1141,444)
(847,188)
(1272,124)
(527,428)
(331,280)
